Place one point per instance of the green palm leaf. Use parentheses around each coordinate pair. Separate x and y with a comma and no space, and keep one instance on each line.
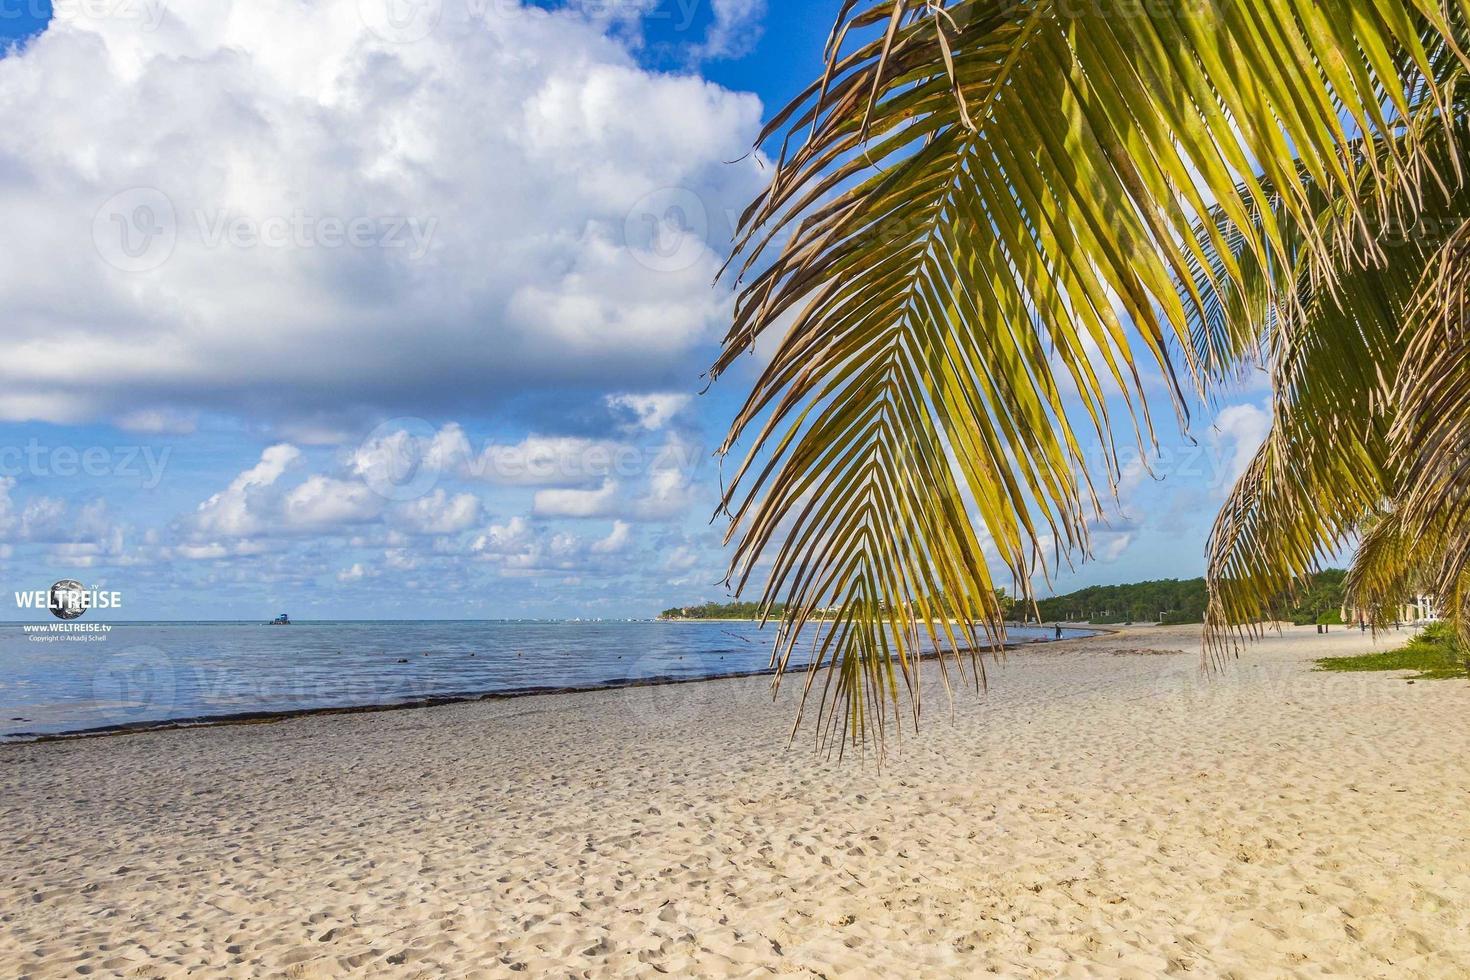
(974,234)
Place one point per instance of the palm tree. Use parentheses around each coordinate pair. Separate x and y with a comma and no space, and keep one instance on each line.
(1365,419)
(999,229)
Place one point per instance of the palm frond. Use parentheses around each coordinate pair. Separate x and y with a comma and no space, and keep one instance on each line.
(1334,357)
(975,229)
(1431,436)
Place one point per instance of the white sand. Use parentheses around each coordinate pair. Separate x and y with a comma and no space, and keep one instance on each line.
(1098,813)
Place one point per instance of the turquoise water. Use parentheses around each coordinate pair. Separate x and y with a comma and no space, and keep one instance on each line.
(140,674)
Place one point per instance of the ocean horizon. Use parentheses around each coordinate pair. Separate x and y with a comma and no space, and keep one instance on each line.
(127,675)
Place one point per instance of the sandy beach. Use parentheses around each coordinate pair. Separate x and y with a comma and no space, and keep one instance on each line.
(1103,811)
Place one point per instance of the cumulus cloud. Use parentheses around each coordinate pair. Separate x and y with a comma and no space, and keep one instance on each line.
(1110,547)
(500,540)
(77,535)
(323,502)
(214,221)
(578,503)
(399,461)
(539,461)
(356,573)
(736,28)
(617,541)
(51,520)
(440,513)
(521,549)
(665,491)
(260,504)
(650,412)
(1238,432)
(238,510)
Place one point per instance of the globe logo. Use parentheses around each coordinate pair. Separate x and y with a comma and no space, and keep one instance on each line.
(68,599)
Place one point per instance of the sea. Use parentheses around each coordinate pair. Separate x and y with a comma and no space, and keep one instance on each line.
(102,677)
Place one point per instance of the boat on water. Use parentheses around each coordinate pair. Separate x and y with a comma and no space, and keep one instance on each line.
(281,620)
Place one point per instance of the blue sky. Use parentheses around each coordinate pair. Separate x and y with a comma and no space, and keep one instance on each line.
(410,321)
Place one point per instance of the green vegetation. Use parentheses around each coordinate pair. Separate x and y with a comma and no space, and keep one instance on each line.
(1178,600)
(719,610)
(1320,603)
(1181,601)
(1436,653)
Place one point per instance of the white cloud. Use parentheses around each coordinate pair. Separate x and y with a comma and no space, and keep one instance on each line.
(736,28)
(681,558)
(237,511)
(1111,547)
(499,540)
(50,520)
(323,502)
(356,573)
(617,541)
(203,552)
(651,412)
(76,536)
(400,560)
(352,221)
(577,503)
(665,494)
(1239,431)
(670,482)
(400,459)
(541,461)
(440,513)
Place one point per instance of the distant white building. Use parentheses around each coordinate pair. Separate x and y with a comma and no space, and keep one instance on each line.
(1422,609)
(1418,609)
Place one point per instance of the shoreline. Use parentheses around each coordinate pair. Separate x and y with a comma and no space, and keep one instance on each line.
(1104,809)
(271,717)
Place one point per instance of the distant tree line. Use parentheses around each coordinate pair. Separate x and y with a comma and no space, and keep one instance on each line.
(1171,601)
(719,610)
(1174,601)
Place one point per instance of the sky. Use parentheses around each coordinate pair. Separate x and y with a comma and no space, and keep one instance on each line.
(400,308)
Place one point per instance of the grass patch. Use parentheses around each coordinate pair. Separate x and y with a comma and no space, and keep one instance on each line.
(1436,653)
